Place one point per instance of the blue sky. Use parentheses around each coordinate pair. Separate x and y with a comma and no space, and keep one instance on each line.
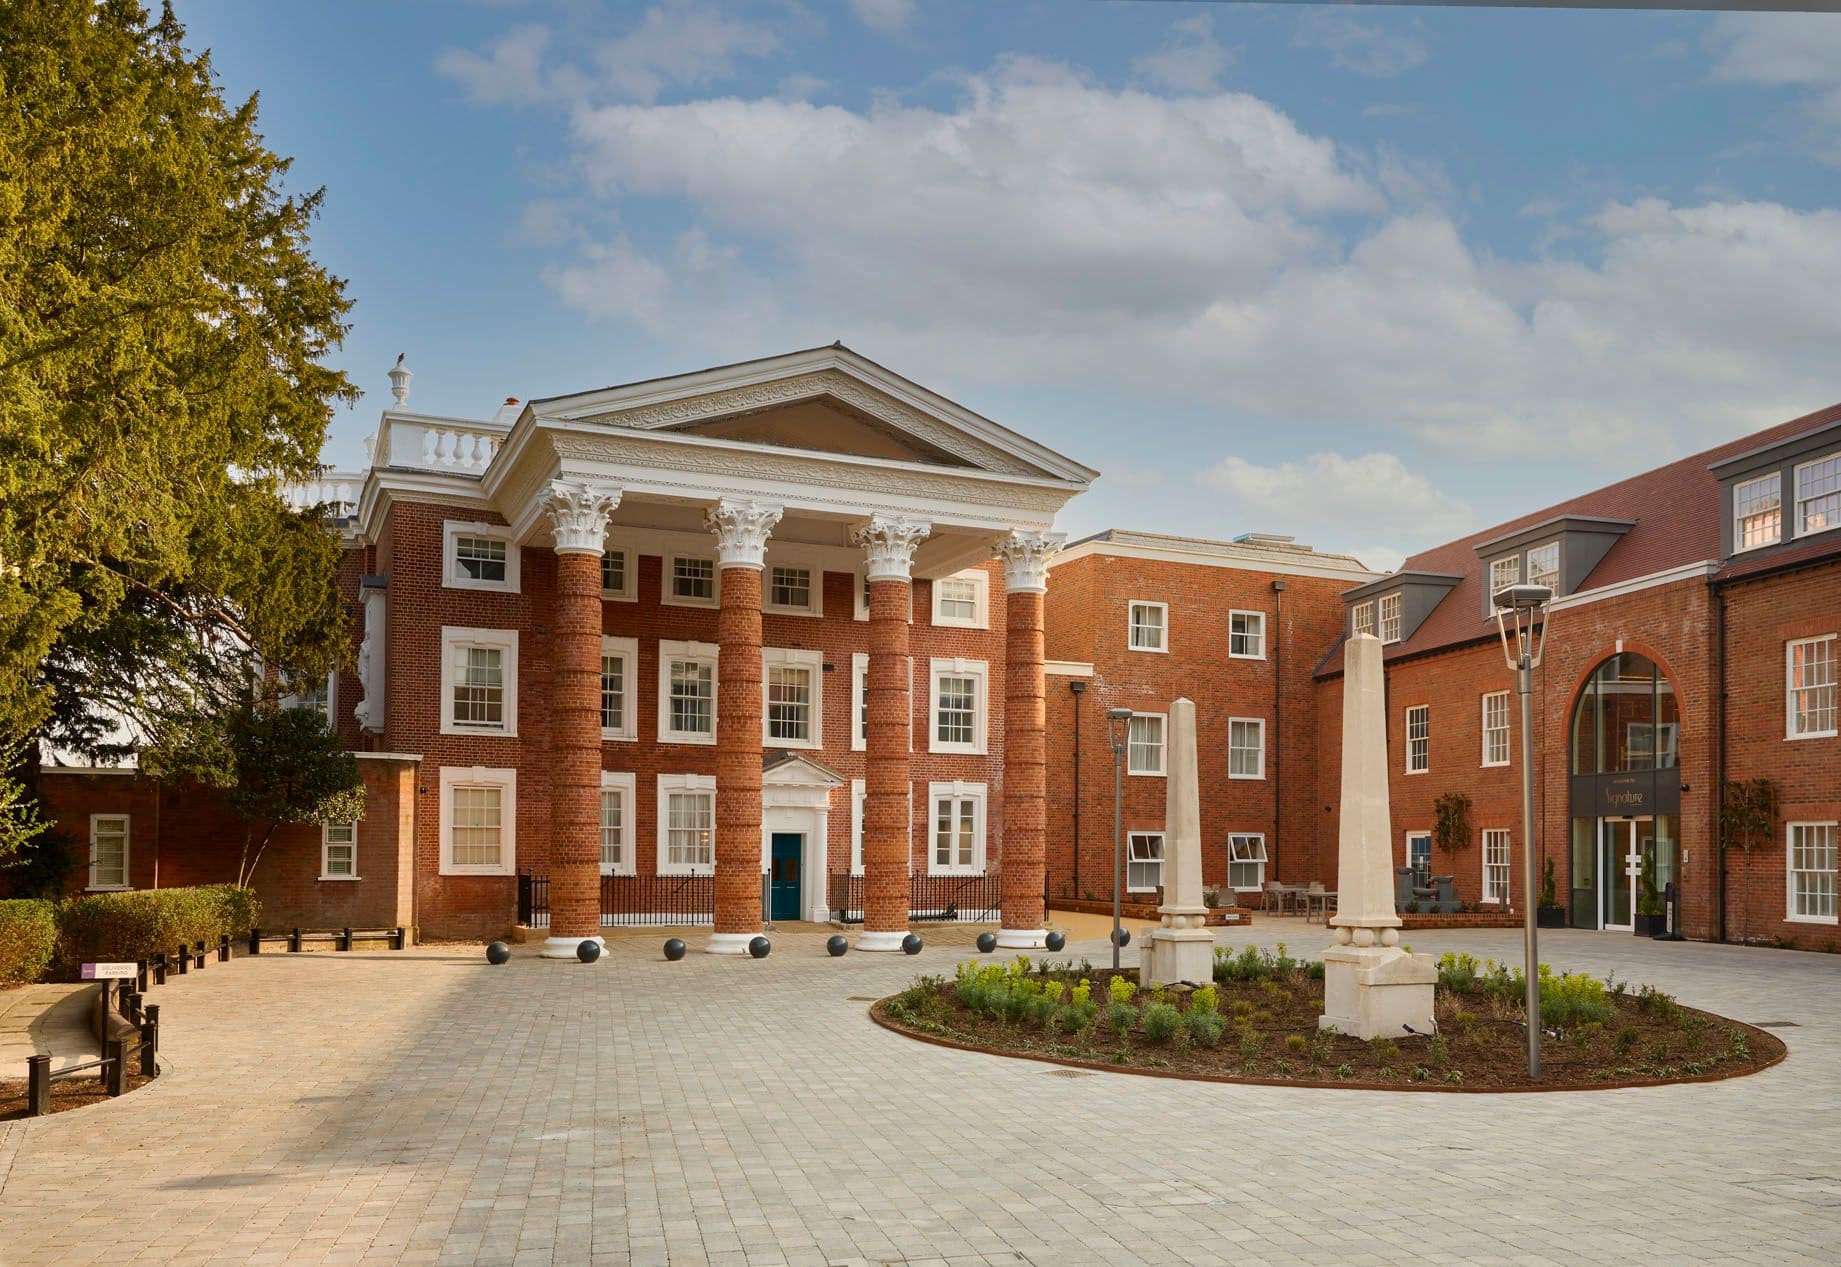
(1376,277)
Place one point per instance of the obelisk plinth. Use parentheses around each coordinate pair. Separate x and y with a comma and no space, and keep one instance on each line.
(1182,948)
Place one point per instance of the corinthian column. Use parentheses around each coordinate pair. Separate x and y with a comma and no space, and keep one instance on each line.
(578,513)
(741,529)
(1025,919)
(889,542)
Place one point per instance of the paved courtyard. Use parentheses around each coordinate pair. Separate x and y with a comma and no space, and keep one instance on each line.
(421,1107)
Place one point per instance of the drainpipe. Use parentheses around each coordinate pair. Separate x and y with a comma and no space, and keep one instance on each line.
(1278,678)
(1078,686)
(1717,836)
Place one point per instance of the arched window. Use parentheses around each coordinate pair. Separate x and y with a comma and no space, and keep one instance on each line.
(1626,718)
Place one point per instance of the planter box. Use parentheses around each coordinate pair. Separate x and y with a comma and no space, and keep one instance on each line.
(1651,925)
(1550,917)
(1464,919)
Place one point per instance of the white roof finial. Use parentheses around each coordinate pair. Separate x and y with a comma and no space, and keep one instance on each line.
(399,380)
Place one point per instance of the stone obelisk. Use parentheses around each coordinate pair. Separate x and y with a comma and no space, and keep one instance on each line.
(1182,948)
(1370,986)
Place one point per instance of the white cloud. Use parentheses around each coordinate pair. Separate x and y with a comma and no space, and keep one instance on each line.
(1366,49)
(884,15)
(678,43)
(1374,493)
(1190,61)
(801,87)
(1787,50)
(1049,229)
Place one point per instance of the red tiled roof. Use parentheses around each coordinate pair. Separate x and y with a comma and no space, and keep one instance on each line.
(1677,513)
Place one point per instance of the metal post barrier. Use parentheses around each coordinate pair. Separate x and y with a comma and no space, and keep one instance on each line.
(150,1028)
(38,1085)
(223,948)
(131,1007)
(159,969)
(345,943)
(294,941)
(115,1066)
(255,941)
(402,938)
(150,1044)
(185,961)
(143,976)
(199,949)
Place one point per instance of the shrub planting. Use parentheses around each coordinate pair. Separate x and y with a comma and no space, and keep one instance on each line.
(142,923)
(28,935)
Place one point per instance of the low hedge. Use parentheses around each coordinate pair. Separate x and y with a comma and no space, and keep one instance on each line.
(28,934)
(141,923)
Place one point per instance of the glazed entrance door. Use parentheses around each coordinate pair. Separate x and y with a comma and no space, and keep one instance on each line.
(1620,864)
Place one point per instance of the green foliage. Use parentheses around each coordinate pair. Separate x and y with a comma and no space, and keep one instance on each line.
(1457,971)
(163,334)
(1748,821)
(28,935)
(20,822)
(1205,1026)
(1161,1020)
(142,923)
(1121,989)
(1297,1044)
(43,866)
(1204,1000)
(1549,891)
(1573,999)
(1121,1017)
(1081,994)
(1451,823)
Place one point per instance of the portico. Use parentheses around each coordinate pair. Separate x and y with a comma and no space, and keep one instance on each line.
(750,484)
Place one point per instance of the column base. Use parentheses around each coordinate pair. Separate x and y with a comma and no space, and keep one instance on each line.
(729,943)
(564,947)
(867,940)
(1022,938)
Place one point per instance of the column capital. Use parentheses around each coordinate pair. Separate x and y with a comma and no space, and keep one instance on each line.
(741,529)
(890,542)
(578,511)
(1025,555)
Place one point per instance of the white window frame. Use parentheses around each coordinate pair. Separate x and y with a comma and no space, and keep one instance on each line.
(1163,745)
(309,700)
(668,570)
(1790,688)
(630,593)
(1741,510)
(813,662)
(328,844)
(1361,618)
(1131,840)
(686,652)
(979,795)
(859,798)
(1796,491)
(1395,601)
(1426,836)
(127,837)
(668,784)
(1256,839)
(1497,584)
(628,651)
(505,641)
(1506,729)
(815,595)
(1257,639)
(1425,712)
(1558,560)
(980,618)
(1260,724)
(1131,626)
(1792,871)
(1504,867)
(859,593)
(451,532)
(506,781)
(859,696)
(980,673)
(627,784)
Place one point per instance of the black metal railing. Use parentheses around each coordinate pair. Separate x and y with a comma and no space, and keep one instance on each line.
(630,901)
(944,898)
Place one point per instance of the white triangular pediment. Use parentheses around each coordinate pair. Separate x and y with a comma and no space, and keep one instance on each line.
(788,769)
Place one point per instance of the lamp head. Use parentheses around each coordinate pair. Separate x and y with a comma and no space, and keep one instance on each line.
(1522,598)
(1118,714)
(1077,685)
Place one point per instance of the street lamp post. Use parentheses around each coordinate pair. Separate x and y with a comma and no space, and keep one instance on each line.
(1526,606)
(1118,726)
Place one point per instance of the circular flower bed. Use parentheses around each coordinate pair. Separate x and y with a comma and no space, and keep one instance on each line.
(1258,1023)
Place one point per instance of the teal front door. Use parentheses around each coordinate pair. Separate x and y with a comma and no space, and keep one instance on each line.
(783,875)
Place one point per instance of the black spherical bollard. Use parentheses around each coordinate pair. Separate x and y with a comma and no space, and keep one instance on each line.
(588,951)
(1055,941)
(759,947)
(987,942)
(836,946)
(911,944)
(674,948)
(1122,937)
(498,952)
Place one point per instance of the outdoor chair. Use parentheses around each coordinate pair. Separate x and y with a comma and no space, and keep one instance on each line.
(1272,898)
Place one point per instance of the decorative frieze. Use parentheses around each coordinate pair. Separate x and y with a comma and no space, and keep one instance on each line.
(890,542)
(578,511)
(1025,555)
(741,529)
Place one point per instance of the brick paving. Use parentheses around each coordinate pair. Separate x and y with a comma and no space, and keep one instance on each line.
(422,1107)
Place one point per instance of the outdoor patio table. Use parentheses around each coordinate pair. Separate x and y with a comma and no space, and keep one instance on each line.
(1319,900)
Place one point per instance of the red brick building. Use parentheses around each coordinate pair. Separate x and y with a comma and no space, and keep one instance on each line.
(776,640)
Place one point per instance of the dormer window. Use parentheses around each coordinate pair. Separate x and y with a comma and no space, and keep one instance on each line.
(1361,618)
(1544,566)
(1504,573)
(1818,495)
(1391,605)
(1757,512)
